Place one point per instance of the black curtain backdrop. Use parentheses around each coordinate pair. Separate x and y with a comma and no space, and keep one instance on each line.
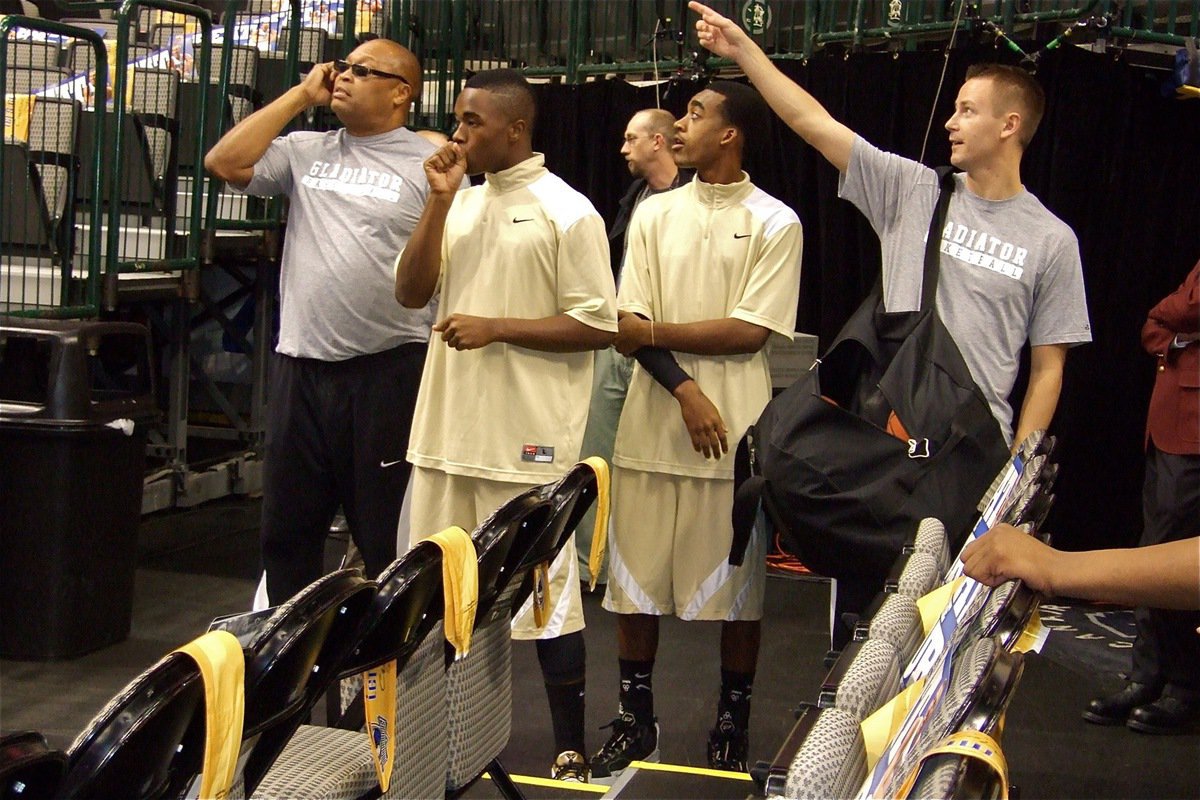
(1114,158)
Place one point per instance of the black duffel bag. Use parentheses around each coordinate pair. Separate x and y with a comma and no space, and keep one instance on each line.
(887,428)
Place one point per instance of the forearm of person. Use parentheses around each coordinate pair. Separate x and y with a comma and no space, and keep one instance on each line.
(661,365)
(561,333)
(1160,576)
(798,109)
(420,262)
(1045,385)
(712,337)
(233,157)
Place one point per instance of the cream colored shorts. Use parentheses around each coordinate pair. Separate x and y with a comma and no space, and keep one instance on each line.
(668,550)
(438,500)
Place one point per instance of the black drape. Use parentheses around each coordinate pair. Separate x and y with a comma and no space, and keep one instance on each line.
(1114,158)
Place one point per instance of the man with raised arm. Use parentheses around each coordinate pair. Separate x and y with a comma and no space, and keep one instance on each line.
(1010,271)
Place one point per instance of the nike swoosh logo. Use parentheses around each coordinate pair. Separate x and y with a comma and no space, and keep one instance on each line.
(741,236)
(386,464)
(515,220)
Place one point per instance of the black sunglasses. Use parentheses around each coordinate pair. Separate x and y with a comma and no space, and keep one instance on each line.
(362,71)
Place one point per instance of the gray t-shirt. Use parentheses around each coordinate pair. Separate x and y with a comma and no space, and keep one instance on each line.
(354,202)
(1010,270)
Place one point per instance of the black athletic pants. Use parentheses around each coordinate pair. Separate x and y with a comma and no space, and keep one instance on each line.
(337,434)
(1167,648)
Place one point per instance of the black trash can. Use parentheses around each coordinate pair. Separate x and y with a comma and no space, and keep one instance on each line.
(76,399)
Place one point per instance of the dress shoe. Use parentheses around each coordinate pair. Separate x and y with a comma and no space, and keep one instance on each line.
(1114,709)
(1167,714)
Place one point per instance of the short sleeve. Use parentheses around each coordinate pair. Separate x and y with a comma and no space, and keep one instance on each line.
(585,282)
(1060,314)
(880,184)
(273,172)
(769,299)
(634,294)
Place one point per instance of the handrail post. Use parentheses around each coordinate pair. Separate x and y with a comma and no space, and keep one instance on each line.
(577,35)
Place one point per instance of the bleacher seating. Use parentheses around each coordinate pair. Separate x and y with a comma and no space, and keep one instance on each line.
(38,55)
(968,681)
(291,662)
(404,625)
(518,536)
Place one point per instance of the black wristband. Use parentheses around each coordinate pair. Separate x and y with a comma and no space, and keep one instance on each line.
(662,366)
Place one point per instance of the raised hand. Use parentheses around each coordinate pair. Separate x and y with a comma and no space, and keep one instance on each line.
(717,34)
(445,168)
(318,84)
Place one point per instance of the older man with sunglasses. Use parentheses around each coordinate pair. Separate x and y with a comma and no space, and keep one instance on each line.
(348,360)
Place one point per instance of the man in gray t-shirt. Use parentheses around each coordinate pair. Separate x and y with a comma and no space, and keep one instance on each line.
(344,379)
(1010,270)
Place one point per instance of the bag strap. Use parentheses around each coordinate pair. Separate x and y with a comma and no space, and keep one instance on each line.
(933,251)
(748,489)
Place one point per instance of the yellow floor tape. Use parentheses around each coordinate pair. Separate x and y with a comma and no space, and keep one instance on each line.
(550,783)
(712,773)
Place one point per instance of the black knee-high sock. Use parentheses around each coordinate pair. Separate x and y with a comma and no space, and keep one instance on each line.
(637,689)
(563,661)
(734,704)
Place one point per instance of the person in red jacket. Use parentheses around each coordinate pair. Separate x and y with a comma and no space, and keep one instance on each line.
(1163,691)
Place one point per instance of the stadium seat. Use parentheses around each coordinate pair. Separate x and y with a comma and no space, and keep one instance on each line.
(823,757)
(895,619)
(29,769)
(865,676)
(37,55)
(292,660)
(930,538)
(914,575)
(148,741)
(479,687)
(403,625)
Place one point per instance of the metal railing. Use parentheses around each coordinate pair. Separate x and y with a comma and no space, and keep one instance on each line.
(575,40)
(41,275)
(153,101)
